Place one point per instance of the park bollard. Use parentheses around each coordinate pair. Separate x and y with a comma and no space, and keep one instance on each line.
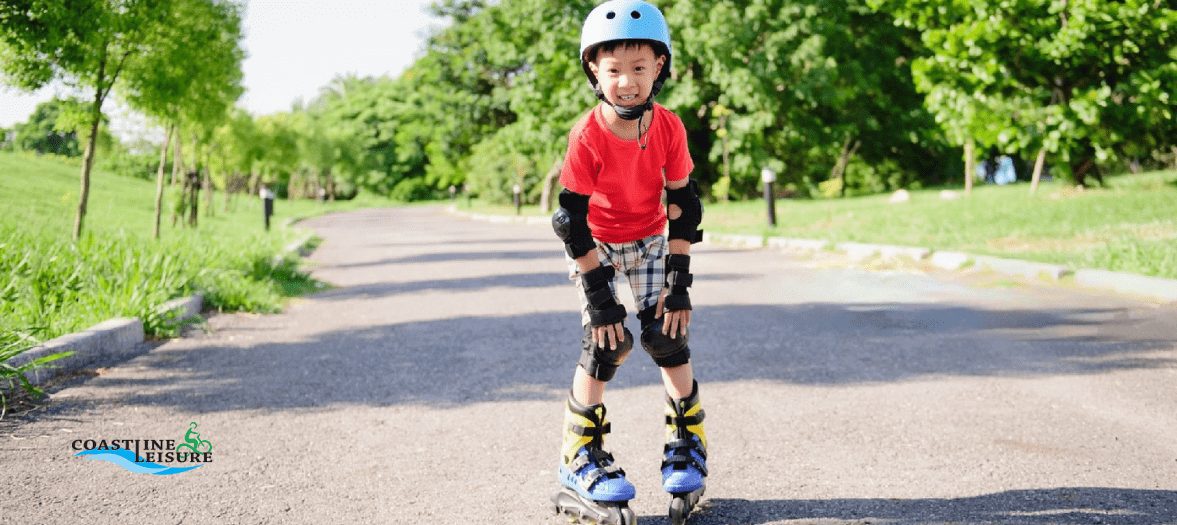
(267,204)
(769,177)
(518,199)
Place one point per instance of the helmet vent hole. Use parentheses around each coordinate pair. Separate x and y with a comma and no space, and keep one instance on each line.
(610,15)
(636,15)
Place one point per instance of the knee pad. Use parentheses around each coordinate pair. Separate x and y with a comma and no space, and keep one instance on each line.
(667,352)
(602,363)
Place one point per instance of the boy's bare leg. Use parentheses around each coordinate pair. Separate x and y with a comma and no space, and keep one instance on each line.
(588,390)
(678,380)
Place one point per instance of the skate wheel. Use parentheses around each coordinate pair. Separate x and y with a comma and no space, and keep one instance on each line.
(625,516)
(679,511)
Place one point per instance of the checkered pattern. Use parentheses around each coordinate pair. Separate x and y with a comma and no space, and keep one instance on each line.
(643,263)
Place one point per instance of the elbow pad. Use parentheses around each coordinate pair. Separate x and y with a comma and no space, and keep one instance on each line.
(685,226)
(570,222)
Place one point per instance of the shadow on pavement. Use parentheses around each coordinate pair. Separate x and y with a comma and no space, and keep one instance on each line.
(466,360)
(487,256)
(384,289)
(481,282)
(1080,505)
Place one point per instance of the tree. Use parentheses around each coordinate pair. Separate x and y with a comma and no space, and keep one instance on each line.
(86,44)
(805,84)
(1081,79)
(192,76)
(51,128)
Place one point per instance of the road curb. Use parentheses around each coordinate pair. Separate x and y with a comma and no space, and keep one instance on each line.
(116,340)
(185,307)
(1152,288)
(798,245)
(950,260)
(1129,283)
(734,241)
(109,341)
(1029,270)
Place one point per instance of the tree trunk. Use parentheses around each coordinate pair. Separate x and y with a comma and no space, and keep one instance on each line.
(193,198)
(177,167)
(839,171)
(545,198)
(208,186)
(229,177)
(1038,164)
(208,190)
(727,165)
(177,175)
(159,179)
(970,166)
(88,163)
(1079,170)
(330,186)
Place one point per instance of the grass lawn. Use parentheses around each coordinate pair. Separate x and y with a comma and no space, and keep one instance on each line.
(1129,226)
(50,285)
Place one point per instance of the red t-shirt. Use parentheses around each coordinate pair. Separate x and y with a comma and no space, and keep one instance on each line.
(624,183)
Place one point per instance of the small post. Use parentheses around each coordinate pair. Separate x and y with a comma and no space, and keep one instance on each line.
(517,193)
(769,177)
(267,204)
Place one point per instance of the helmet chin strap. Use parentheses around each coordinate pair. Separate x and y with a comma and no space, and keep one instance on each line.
(630,113)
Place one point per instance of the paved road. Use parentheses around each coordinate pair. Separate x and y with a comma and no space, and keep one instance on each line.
(427,387)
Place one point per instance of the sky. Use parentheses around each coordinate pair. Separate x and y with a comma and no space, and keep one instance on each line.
(293,49)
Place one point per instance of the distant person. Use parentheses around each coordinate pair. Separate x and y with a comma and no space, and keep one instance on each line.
(1005,173)
(621,155)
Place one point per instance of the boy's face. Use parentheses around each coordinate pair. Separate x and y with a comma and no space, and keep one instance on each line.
(627,74)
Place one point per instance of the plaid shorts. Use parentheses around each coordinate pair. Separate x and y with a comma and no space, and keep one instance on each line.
(643,263)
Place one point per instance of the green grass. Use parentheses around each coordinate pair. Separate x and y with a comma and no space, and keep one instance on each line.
(117,269)
(1129,226)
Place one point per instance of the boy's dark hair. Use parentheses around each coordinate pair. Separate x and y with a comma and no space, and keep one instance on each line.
(590,54)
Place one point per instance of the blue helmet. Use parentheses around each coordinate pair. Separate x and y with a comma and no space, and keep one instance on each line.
(625,20)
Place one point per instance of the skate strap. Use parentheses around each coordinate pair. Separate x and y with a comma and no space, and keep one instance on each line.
(682,458)
(682,421)
(590,431)
(603,467)
(679,445)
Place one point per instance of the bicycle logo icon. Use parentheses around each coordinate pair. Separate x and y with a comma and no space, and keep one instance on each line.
(192,443)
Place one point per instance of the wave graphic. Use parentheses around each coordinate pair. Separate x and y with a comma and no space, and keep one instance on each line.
(128,460)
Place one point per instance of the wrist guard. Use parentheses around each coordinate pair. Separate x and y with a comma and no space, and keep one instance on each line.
(678,279)
(602,304)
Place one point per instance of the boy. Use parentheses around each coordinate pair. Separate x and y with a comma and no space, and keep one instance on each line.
(620,157)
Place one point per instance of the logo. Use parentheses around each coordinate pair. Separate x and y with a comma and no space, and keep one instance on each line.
(150,456)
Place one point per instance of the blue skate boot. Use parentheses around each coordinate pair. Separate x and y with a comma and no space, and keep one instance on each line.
(594,488)
(684,463)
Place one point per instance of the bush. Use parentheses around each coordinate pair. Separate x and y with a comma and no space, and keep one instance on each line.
(345,190)
(408,190)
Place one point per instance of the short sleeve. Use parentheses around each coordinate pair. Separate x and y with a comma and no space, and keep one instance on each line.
(678,158)
(579,173)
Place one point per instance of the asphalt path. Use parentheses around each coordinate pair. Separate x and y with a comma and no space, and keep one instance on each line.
(427,386)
